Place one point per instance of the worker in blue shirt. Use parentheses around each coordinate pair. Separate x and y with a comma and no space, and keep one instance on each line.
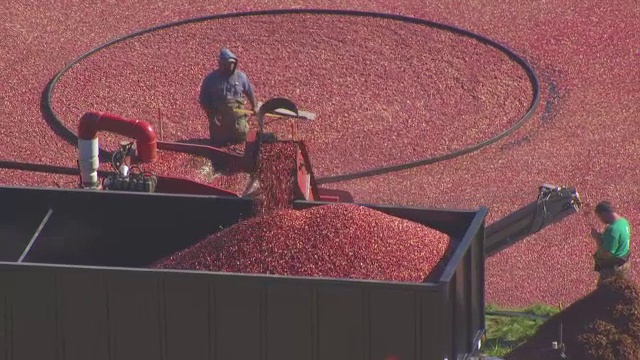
(222,94)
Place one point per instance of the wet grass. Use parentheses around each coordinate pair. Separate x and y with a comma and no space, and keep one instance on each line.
(505,333)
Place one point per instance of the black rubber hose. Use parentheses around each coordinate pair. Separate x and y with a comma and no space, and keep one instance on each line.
(70,136)
(517,314)
(44,168)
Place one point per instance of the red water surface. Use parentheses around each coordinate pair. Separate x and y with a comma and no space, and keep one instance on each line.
(589,138)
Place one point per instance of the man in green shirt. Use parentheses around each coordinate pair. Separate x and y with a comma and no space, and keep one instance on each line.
(613,244)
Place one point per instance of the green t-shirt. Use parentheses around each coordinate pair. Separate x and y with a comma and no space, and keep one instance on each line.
(616,238)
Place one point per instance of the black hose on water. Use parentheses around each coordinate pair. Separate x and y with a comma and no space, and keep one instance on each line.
(517,314)
(70,136)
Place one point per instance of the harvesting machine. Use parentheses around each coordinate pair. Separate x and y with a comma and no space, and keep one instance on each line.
(145,148)
(74,282)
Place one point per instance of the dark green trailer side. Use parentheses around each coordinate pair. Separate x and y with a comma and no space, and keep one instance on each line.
(73,286)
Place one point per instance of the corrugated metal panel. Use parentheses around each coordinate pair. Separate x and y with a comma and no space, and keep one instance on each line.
(5,321)
(33,305)
(84,316)
(115,314)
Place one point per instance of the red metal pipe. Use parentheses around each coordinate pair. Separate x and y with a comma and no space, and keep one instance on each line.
(141,131)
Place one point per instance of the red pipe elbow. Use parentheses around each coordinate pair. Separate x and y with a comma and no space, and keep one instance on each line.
(88,126)
(141,131)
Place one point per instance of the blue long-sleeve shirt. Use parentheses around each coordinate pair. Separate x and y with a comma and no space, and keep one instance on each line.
(219,87)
